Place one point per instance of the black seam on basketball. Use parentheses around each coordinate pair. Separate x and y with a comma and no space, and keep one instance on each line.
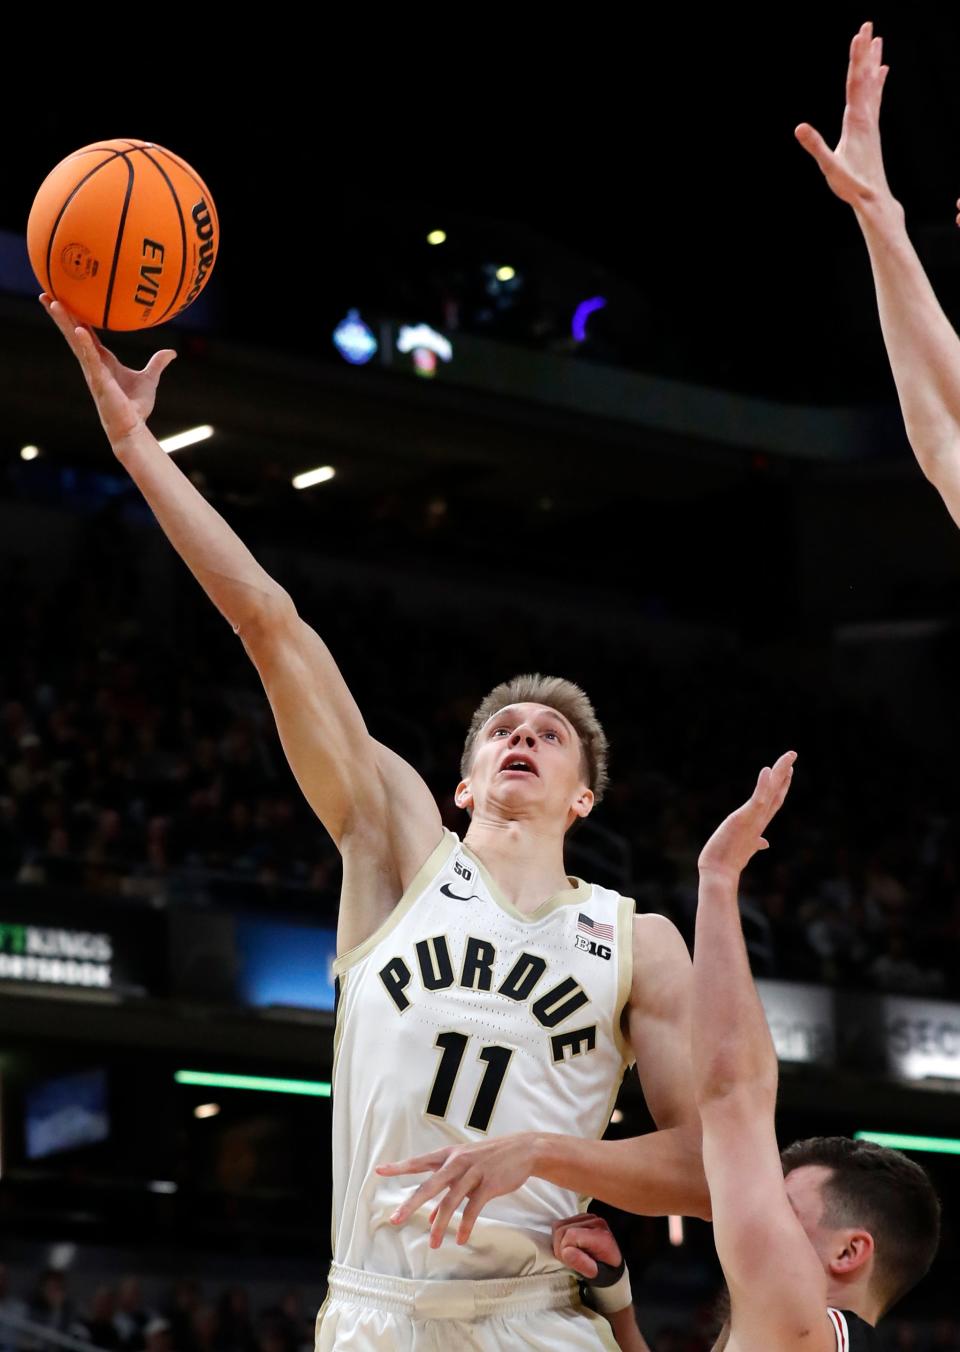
(72,194)
(183,229)
(116,250)
(191,174)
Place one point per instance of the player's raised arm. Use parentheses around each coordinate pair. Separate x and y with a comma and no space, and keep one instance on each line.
(923,348)
(778,1286)
(349,780)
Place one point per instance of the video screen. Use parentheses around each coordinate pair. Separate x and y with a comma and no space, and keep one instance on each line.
(65,1112)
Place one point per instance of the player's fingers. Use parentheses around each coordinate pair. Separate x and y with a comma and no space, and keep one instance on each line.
(158,363)
(416,1164)
(815,145)
(560,1229)
(89,359)
(597,1241)
(761,793)
(582,1218)
(415,1201)
(63,319)
(578,1260)
(457,1192)
(860,48)
(478,1200)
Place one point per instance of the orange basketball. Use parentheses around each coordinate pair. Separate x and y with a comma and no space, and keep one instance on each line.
(124,233)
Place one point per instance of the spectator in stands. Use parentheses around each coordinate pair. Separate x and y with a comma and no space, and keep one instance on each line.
(132,1317)
(99,1323)
(51,1305)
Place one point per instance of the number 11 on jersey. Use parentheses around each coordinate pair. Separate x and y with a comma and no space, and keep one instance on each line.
(453,1046)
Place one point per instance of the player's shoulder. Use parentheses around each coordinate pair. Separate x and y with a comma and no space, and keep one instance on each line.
(656,937)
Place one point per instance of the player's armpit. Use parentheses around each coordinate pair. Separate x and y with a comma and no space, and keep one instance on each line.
(777,1283)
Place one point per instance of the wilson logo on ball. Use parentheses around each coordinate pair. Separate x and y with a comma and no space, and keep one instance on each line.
(207,251)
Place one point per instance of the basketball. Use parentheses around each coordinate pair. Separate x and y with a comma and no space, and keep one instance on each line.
(124,233)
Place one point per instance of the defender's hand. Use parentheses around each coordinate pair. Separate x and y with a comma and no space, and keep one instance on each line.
(582,1241)
(855,169)
(738,839)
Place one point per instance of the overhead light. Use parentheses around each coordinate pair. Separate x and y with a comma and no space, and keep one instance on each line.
(206,1110)
(616,1117)
(313,476)
(437,237)
(162,1185)
(260,1083)
(29,452)
(188,438)
(935,1145)
(354,339)
(506,274)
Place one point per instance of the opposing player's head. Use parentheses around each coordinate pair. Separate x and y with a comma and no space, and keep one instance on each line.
(535,750)
(871,1214)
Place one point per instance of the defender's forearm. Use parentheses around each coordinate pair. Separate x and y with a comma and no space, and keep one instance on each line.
(922,346)
(732,1046)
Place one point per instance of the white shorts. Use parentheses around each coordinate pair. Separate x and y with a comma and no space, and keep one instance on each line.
(368,1312)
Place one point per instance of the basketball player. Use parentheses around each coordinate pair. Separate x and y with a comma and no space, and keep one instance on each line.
(817,1244)
(923,348)
(481,990)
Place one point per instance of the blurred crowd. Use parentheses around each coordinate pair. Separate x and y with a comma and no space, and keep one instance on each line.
(138,761)
(677,1309)
(116,1317)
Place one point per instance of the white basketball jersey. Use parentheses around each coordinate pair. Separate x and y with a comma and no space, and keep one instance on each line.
(463,1018)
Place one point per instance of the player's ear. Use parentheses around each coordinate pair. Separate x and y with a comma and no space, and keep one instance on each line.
(464,795)
(582,805)
(852,1250)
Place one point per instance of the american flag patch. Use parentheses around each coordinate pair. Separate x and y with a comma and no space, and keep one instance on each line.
(593,927)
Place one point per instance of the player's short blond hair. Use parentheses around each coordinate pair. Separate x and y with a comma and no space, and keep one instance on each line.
(568,699)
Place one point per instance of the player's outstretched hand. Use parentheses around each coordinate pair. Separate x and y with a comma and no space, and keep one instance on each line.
(581,1242)
(738,838)
(475,1174)
(855,169)
(124,398)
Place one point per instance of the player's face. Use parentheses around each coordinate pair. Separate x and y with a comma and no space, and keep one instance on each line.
(527,759)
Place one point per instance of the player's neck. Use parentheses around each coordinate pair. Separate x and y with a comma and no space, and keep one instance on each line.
(524,858)
(855,1297)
